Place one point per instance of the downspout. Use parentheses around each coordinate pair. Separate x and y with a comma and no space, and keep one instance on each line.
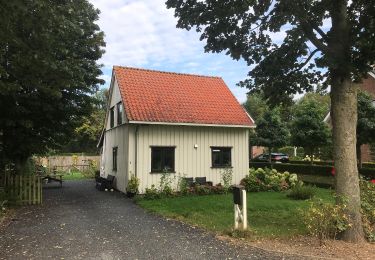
(136,150)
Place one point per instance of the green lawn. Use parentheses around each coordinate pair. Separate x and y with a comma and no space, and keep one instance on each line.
(270,214)
(74,175)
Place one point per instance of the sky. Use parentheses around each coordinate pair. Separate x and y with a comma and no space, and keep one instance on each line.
(143,34)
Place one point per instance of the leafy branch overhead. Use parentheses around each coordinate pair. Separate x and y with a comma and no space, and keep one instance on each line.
(247,29)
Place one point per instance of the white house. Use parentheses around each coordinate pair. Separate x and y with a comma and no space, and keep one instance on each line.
(157,121)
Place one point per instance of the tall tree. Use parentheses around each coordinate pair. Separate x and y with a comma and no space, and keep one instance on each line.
(307,128)
(48,72)
(271,131)
(86,135)
(255,105)
(335,34)
(366,122)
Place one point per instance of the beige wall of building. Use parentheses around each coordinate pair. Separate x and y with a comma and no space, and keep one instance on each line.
(189,161)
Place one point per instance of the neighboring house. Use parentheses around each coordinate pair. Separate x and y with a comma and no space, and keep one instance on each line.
(188,125)
(368,85)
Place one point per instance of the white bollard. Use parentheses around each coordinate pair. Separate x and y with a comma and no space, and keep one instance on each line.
(240,209)
(244,210)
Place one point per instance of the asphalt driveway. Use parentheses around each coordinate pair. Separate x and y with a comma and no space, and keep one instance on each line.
(79,222)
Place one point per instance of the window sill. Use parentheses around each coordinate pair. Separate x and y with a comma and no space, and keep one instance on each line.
(221,167)
(161,172)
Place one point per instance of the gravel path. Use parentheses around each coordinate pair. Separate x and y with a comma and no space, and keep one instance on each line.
(79,222)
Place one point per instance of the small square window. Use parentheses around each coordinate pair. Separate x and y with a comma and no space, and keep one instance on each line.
(112,117)
(221,157)
(114,158)
(162,159)
(120,110)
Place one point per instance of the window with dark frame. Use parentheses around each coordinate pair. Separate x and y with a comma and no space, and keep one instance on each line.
(162,159)
(112,117)
(120,109)
(221,157)
(114,158)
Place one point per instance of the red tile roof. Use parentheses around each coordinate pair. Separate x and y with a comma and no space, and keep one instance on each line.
(155,96)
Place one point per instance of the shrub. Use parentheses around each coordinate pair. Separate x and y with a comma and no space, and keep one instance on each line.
(202,189)
(165,185)
(152,193)
(226,177)
(267,179)
(183,185)
(133,184)
(301,192)
(368,208)
(326,220)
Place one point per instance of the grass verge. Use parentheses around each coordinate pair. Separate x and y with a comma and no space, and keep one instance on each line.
(75,175)
(270,214)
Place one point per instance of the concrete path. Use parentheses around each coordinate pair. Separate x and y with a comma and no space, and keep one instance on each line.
(79,222)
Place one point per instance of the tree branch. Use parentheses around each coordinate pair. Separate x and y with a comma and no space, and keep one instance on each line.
(321,33)
(308,30)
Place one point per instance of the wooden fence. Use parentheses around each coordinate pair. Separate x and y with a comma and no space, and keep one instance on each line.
(27,189)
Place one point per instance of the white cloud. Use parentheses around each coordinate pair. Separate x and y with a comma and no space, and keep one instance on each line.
(144,34)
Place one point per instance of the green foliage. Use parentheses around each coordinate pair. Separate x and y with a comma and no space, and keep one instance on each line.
(318,169)
(152,193)
(48,71)
(267,179)
(226,177)
(271,132)
(326,220)
(87,134)
(365,122)
(301,192)
(202,189)
(133,184)
(165,184)
(366,119)
(183,185)
(368,208)
(256,106)
(307,128)
(292,64)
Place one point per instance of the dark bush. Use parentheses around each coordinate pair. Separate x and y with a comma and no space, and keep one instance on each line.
(296,168)
(302,192)
(367,173)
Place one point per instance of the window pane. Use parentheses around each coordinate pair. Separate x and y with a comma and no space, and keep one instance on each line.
(119,113)
(221,156)
(226,157)
(162,159)
(215,157)
(112,117)
(114,158)
(156,160)
(168,159)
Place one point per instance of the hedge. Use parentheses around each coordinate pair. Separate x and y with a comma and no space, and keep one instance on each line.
(308,169)
(330,163)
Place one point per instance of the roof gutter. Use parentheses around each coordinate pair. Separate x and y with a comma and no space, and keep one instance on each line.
(189,124)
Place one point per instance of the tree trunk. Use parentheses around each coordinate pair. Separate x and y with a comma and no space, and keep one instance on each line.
(344,121)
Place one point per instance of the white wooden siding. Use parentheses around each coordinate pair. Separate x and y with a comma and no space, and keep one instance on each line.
(189,161)
(117,137)
(115,98)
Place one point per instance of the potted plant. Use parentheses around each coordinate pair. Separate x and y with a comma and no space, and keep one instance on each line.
(133,185)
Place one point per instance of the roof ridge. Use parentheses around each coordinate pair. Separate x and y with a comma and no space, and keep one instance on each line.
(167,72)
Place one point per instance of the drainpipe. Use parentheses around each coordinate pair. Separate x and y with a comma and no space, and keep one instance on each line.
(136,151)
